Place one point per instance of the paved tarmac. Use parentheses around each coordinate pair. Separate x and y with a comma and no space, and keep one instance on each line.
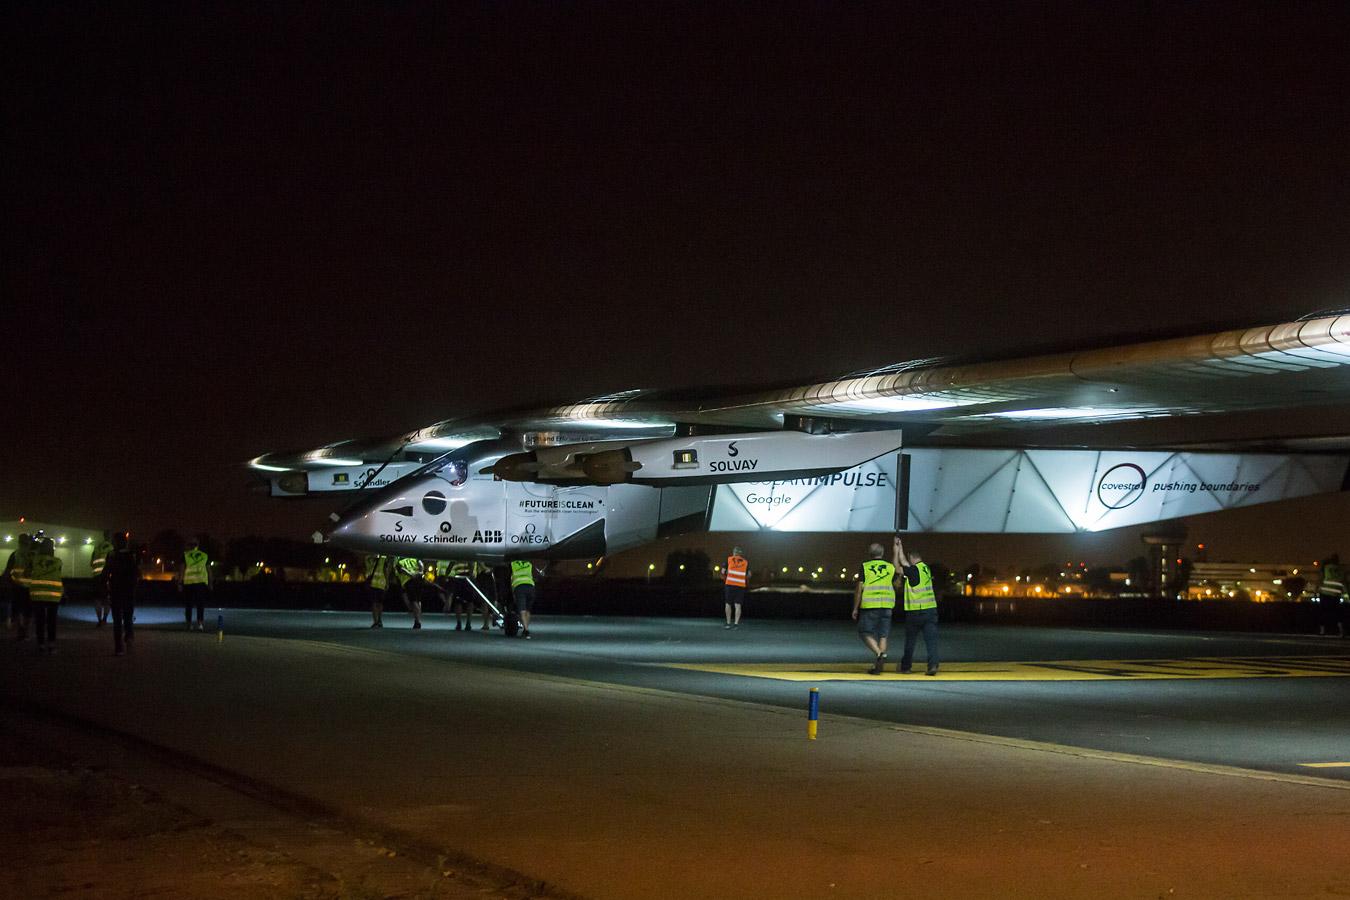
(588,758)
(1278,702)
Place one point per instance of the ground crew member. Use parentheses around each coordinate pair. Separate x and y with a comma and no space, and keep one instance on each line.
(461,594)
(733,587)
(408,571)
(1331,594)
(196,583)
(98,557)
(16,567)
(377,585)
(920,609)
(874,603)
(522,592)
(486,582)
(43,580)
(120,574)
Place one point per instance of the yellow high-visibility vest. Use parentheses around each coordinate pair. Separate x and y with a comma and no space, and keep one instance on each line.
(921,596)
(878,585)
(195,564)
(98,557)
(376,574)
(43,579)
(407,569)
(1333,582)
(522,572)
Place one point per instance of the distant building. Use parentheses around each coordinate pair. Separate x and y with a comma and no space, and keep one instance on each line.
(74,544)
(1262,582)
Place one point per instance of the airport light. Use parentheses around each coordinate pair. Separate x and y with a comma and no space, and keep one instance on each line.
(88,540)
(681,567)
(61,539)
(8,538)
(784,570)
(590,566)
(800,569)
(651,567)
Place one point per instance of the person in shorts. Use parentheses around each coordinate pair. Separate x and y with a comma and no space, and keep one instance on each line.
(522,592)
(873,604)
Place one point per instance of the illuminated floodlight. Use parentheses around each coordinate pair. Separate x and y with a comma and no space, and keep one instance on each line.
(88,540)
(61,539)
(8,538)
(890,405)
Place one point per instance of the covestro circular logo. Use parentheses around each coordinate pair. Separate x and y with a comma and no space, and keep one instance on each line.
(1121,486)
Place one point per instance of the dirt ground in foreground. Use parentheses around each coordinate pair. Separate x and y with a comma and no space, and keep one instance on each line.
(72,830)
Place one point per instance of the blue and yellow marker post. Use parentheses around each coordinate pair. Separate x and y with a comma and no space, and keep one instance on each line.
(220,627)
(812,714)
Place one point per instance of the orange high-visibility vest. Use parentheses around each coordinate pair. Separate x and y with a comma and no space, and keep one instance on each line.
(737,569)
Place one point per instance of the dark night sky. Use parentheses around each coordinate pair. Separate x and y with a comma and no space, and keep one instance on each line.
(234,230)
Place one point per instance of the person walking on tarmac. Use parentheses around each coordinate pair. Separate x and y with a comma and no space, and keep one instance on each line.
(1331,596)
(98,558)
(16,567)
(43,580)
(485,580)
(733,587)
(874,603)
(377,586)
(460,593)
(408,571)
(920,610)
(196,579)
(120,574)
(523,592)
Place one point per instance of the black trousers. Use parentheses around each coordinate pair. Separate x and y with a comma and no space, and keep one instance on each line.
(44,620)
(195,595)
(123,612)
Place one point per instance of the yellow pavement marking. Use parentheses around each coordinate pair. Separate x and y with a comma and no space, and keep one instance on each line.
(1344,765)
(1023,744)
(1057,670)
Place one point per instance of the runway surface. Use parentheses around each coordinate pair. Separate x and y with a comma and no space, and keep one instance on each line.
(593,759)
(1277,702)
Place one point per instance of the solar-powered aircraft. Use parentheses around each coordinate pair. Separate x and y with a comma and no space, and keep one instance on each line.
(1056,442)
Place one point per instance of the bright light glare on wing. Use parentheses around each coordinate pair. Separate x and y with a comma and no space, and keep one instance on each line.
(891,404)
(266,468)
(1072,412)
(336,461)
(601,422)
(445,443)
